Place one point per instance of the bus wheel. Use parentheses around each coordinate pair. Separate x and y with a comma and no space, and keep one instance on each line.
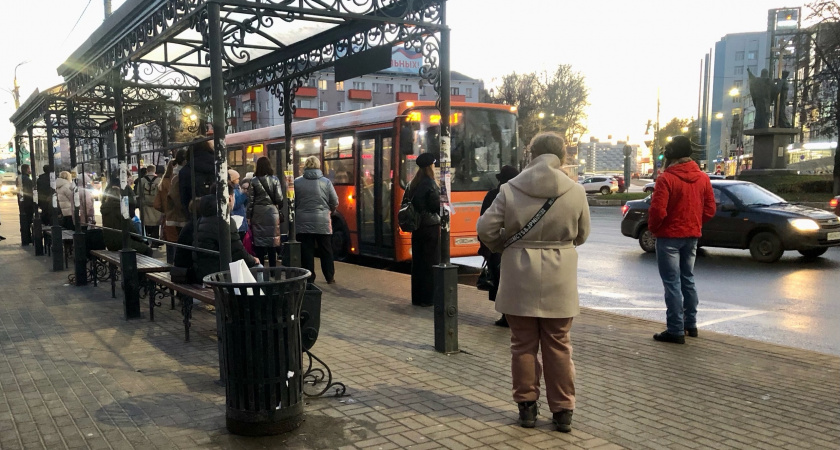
(340,240)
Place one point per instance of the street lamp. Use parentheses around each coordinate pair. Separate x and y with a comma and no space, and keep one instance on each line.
(669,139)
(541,116)
(582,166)
(684,129)
(16,92)
(719,115)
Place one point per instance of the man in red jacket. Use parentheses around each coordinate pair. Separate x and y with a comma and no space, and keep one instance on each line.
(682,202)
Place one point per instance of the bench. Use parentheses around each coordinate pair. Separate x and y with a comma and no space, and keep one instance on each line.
(66,241)
(163,286)
(145,265)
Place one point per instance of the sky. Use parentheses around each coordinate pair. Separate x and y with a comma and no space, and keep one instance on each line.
(627,50)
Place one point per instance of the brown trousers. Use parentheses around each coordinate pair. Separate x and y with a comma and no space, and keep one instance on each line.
(527,336)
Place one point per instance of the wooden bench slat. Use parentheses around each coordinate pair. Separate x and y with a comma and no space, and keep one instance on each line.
(145,264)
(195,291)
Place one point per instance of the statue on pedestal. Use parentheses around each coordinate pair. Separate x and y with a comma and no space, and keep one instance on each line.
(762,91)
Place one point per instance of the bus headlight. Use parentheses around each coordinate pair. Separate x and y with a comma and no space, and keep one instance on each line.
(804,224)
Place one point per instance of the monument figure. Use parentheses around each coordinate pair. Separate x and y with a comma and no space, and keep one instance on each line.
(762,91)
(781,90)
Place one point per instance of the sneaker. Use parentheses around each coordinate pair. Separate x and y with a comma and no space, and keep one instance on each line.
(563,420)
(692,332)
(668,337)
(502,322)
(528,414)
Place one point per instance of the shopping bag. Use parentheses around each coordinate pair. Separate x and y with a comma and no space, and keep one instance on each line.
(248,243)
(485,279)
(239,273)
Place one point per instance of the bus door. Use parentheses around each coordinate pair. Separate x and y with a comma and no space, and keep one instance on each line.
(375,194)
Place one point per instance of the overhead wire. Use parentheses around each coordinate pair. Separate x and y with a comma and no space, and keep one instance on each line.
(79,19)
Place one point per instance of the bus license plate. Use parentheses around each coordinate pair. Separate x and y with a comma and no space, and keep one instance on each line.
(835,236)
(474,240)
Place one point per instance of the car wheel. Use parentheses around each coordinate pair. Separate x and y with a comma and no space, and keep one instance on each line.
(647,241)
(766,247)
(605,190)
(813,252)
(648,190)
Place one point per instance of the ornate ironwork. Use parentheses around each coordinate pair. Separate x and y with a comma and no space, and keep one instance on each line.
(313,376)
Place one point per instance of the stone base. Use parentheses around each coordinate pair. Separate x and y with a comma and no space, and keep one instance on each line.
(770,146)
(766,172)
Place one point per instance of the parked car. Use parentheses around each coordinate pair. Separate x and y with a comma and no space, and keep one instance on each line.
(620,180)
(649,187)
(600,183)
(749,217)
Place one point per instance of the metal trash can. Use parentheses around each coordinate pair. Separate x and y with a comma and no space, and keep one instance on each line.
(261,348)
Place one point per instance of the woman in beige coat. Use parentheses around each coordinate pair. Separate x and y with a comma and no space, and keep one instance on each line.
(65,190)
(538,289)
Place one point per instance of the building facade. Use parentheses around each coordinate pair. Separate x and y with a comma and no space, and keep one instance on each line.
(323,96)
(606,157)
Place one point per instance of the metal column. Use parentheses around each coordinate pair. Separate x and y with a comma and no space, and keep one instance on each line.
(217,91)
(37,233)
(79,249)
(291,249)
(128,256)
(56,246)
(445,274)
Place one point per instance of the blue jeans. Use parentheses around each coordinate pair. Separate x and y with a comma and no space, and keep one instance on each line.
(675,257)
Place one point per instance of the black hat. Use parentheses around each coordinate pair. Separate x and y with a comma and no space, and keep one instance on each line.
(425,160)
(506,174)
(679,147)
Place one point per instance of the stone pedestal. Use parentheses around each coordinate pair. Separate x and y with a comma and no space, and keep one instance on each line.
(770,146)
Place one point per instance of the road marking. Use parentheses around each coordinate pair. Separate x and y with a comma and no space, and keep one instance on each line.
(726,319)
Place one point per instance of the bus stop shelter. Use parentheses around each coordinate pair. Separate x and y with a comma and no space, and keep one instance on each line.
(202,52)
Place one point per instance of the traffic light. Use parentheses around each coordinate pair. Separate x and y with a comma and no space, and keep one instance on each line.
(661,156)
(11,147)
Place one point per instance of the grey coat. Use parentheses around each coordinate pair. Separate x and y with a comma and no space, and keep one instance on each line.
(262,212)
(315,199)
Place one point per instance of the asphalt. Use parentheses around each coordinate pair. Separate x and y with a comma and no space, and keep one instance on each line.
(74,374)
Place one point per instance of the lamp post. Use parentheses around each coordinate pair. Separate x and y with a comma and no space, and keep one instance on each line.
(16,91)
(541,116)
(739,146)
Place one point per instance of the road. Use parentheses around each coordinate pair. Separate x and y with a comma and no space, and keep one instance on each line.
(792,302)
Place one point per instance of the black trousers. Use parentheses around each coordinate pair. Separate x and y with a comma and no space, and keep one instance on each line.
(26,225)
(495,264)
(67,223)
(425,253)
(307,254)
(262,252)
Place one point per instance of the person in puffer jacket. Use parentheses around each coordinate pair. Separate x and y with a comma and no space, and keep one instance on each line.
(682,202)
(315,200)
(65,189)
(265,197)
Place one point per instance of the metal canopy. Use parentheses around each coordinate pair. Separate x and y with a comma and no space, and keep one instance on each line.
(264,42)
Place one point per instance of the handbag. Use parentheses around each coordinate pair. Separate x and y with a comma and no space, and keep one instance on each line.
(179,275)
(531,223)
(248,242)
(485,278)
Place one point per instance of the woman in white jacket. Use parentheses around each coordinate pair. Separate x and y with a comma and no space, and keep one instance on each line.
(65,189)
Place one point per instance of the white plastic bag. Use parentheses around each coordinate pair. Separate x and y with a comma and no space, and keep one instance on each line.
(239,273)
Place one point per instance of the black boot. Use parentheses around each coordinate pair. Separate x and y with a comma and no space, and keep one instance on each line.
(563,420)
(528,414)
(502,322)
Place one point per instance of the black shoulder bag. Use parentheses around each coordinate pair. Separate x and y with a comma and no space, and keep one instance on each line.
(408,217)
(531,223)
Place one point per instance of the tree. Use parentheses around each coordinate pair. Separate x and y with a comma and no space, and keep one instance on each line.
(684,127)
(823,86)
(560,96)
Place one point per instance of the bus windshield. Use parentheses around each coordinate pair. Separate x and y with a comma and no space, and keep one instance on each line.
(482,142)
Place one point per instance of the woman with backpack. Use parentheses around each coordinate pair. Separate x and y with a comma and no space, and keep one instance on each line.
(424,195)
(265,198)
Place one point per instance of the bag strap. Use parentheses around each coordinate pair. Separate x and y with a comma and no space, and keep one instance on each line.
(268,191)
(531,223)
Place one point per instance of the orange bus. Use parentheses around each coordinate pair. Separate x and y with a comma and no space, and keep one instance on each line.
(369,156)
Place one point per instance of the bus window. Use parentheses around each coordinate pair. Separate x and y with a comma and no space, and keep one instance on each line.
(304,148)
(482,142)
(338,159)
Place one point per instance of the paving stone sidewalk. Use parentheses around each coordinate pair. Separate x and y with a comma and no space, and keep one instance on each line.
(74,374)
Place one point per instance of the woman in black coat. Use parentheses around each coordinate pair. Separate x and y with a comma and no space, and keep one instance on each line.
(424,194)
(206,236)
(494,260)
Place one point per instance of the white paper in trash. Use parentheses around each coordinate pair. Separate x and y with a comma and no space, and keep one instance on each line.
(239,273)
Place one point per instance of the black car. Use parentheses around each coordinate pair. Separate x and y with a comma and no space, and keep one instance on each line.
(749,216)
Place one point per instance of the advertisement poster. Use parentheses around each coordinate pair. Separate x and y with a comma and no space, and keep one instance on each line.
(445,174)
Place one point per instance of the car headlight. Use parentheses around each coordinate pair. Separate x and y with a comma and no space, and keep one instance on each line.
(804,224)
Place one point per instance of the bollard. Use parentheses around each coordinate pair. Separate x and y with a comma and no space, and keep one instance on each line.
(446,308)
(80,258)
(131,283)
(57,246)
